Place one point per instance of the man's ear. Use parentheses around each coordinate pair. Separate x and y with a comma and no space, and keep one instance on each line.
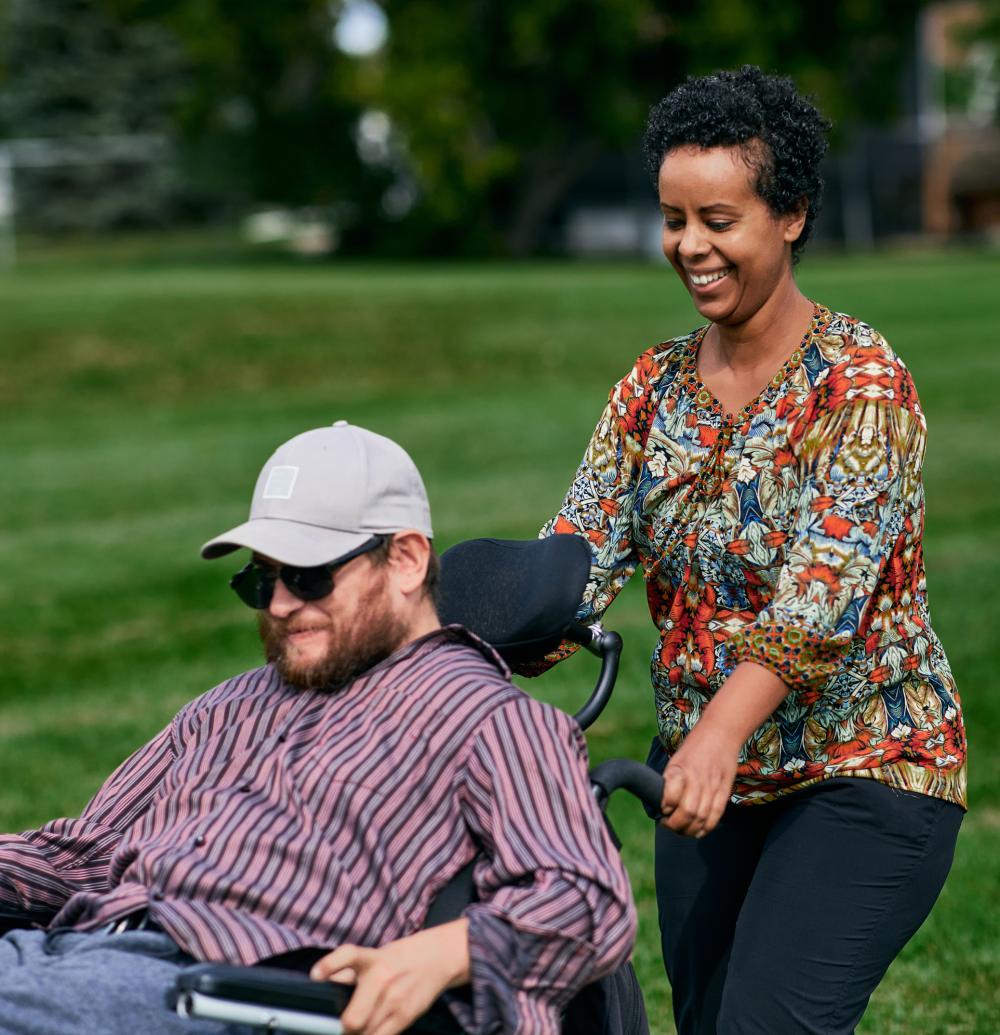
(409,554)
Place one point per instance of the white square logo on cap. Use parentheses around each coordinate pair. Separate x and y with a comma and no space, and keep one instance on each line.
(280,483)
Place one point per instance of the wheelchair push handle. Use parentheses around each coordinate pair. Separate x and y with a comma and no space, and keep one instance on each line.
(607,646)
(624,773)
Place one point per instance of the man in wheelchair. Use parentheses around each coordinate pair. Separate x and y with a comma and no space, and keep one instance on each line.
(322,801)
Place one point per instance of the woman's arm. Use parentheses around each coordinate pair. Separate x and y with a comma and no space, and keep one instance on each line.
(699,779)
(599,505)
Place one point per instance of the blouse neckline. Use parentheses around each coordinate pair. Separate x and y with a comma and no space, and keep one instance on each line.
(703,395)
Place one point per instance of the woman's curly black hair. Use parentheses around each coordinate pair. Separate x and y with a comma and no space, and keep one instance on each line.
(782,135)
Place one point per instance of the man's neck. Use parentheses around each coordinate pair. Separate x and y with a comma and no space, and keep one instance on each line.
(425,620)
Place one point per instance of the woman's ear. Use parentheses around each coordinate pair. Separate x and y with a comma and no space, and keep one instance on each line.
(795,222)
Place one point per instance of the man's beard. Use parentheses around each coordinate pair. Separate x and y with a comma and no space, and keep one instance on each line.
(370,635)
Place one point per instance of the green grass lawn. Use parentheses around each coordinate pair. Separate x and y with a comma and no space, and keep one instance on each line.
(140,398)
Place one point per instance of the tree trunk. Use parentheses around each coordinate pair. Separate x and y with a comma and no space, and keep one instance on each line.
(548,174)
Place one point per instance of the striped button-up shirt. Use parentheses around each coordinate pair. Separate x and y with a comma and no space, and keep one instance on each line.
(265,819)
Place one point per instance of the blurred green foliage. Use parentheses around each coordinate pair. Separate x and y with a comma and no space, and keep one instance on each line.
(497,106)
(74,80)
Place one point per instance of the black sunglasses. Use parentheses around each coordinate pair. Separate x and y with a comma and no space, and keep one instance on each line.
(254,584)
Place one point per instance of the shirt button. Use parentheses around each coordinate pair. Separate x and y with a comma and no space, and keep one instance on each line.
(244,787)
(199,840)
(157,896)
(282,737)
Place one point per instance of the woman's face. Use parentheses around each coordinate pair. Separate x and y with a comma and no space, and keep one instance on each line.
(729,249)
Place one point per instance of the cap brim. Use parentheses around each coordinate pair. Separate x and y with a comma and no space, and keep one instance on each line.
(287,542)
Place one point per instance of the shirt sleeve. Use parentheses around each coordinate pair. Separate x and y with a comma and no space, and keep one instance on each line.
(555,909)
(599,504)
(41,869)
(860,444)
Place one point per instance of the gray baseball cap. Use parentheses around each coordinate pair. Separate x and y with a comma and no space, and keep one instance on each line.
(326,492)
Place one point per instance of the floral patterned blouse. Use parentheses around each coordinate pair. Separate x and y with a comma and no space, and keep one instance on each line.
(789,535)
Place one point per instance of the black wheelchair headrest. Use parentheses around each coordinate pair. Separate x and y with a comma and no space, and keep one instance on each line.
(518,595)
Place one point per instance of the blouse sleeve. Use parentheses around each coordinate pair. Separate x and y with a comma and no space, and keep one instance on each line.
(860,443)
(599,504)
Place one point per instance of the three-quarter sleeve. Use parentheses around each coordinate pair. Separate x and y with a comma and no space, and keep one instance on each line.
(859,442)
(599,505)
(555,909)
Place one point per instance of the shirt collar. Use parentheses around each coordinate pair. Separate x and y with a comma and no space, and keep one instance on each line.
(453,633)
(422,645)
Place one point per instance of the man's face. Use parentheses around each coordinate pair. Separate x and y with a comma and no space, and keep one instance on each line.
(323,644)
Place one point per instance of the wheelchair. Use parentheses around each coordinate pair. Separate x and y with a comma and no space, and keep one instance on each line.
(522,598)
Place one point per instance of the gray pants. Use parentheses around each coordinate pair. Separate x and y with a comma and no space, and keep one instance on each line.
(74,983)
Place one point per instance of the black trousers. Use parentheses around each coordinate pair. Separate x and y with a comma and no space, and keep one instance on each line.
(784,919)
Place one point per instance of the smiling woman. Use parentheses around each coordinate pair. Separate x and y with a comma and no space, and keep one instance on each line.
(732,253)
(764,471)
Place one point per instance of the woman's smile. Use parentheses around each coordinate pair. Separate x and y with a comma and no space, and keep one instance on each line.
(706,280)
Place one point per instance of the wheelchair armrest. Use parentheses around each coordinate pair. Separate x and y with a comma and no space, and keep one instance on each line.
(270,997)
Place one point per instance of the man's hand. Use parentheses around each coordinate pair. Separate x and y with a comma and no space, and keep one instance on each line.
(397,983)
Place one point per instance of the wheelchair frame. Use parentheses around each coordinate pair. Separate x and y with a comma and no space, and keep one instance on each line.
(544,582)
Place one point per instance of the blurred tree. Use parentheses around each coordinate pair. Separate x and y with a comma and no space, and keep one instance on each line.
(272,108)
(480,114)
(504,103)
(89,102)
(971,82)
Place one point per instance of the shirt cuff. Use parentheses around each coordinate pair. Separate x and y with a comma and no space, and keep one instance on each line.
(500,961)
